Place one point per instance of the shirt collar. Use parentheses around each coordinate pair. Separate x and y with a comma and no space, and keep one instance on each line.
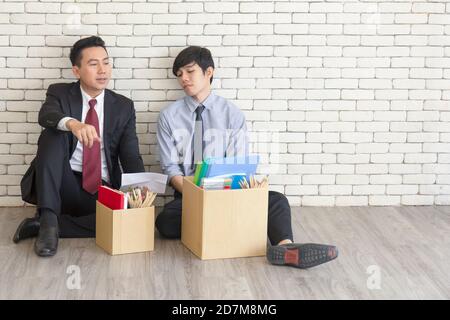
(86,97)
(193,104)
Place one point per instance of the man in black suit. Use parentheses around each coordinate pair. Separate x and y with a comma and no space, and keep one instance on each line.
(88,129)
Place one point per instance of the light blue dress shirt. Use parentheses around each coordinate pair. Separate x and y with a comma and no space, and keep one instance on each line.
(225,133)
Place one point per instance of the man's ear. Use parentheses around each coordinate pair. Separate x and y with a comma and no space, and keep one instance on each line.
(209,72)
(76,71)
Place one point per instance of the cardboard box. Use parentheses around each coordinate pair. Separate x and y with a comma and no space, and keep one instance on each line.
(220,224)
(125,231)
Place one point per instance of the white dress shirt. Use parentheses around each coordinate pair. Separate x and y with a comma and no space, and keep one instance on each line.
(76,162)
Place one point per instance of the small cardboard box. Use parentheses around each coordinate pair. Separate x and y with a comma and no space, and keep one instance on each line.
(125,231)
(219,224)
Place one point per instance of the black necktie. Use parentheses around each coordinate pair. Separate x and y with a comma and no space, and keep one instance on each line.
(197,154)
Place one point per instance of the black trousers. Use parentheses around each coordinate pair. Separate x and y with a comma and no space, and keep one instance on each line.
(279,226)
(59,189)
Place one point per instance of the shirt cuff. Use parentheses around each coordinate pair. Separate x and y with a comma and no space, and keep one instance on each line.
(62,123)
(172,172)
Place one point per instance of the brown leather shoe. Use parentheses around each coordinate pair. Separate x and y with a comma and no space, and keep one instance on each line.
(301,255)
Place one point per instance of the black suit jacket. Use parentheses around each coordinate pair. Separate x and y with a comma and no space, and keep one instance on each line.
(119,130)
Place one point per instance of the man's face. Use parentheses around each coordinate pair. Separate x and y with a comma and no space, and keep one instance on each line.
(193,80)
(94,71)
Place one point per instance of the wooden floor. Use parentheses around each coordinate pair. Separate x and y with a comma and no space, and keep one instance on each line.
(409,247)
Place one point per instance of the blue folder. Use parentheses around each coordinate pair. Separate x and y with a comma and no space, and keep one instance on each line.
(232,165)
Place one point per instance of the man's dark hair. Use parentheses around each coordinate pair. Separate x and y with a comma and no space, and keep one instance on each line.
(199,55)
(80,45)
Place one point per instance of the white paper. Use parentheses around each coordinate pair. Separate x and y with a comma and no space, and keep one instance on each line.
(156,182)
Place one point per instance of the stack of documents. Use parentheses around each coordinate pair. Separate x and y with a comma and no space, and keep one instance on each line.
(216,183)
(230,167)
(155,182)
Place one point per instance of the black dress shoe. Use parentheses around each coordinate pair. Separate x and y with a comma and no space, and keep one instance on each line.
(301,255)
(46,243)
(28,228)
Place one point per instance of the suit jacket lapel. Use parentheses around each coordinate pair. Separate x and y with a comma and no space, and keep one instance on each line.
(76,108)
(108,109)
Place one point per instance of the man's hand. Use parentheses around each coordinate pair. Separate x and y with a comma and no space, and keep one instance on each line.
(85,133)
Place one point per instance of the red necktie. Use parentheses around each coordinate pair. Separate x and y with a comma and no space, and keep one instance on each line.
(92,170)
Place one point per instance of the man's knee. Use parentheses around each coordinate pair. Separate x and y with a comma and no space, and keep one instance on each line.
(168,228)
(51,135)
(277,197)
(52,143)
(51,139)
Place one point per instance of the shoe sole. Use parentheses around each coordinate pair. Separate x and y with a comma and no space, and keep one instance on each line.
(49,254)
(303,257)
(16,237)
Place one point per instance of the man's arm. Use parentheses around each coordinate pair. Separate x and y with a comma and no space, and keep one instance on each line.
(51,115)
(51,111)
(129,155)
(177,183)
(168,154)
(238,144)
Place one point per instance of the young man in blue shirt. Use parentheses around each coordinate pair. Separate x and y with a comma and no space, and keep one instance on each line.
(201,125)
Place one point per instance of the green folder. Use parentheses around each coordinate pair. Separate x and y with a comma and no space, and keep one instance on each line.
(198,169)
(204,170)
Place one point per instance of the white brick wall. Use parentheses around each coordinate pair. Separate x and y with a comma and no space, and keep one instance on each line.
(348,102)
